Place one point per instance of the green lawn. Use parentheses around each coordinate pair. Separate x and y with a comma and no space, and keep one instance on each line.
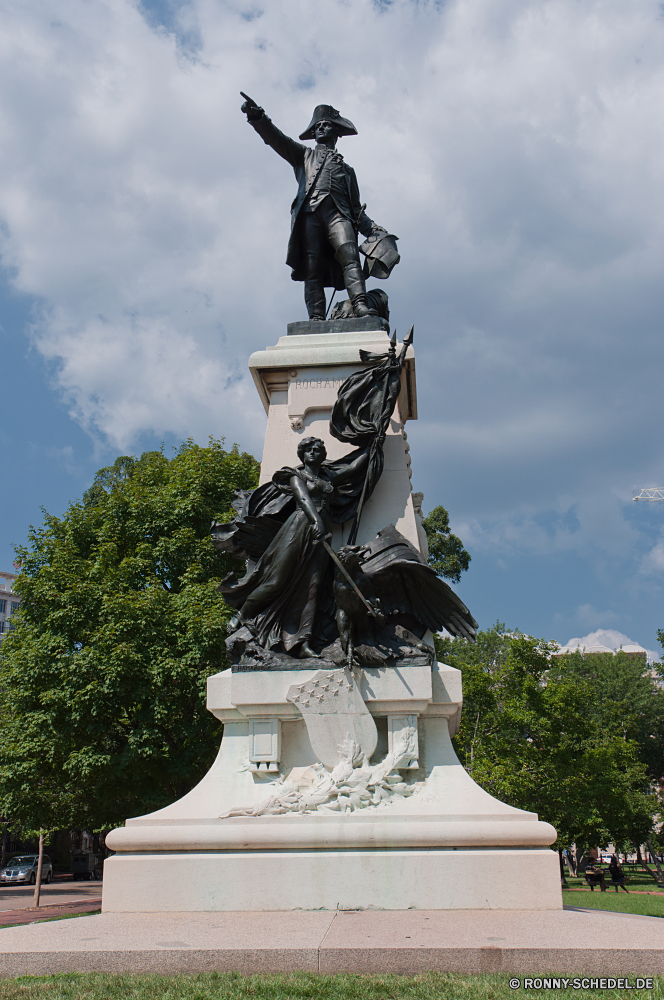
(295,986)
(634,901)
(647,906)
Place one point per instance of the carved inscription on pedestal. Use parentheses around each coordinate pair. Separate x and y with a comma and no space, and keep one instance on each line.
(308,394)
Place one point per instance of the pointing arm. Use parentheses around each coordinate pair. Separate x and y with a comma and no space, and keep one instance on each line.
(282,144)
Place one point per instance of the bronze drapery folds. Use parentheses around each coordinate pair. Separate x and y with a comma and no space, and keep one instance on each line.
(285,607)
(363,410)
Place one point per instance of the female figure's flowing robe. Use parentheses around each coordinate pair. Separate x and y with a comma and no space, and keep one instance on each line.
(285,598)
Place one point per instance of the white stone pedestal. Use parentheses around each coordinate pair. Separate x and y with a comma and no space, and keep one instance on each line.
(428,837)
(449,845)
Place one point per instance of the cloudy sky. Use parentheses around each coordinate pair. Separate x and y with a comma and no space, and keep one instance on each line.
(515,146)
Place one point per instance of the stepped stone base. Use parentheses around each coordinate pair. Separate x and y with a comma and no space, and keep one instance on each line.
(329,880)
(449,845)
(564,942)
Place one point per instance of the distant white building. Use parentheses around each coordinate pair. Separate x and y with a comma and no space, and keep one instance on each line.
(9,602)
(633,651)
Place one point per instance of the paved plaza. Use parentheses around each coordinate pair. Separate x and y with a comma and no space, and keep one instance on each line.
(62,890)
(569,942)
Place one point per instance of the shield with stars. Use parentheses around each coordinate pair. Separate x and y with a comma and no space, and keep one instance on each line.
(336,716)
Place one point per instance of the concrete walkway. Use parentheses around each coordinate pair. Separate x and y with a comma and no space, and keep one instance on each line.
(32,914)
(570,942)
(61,890)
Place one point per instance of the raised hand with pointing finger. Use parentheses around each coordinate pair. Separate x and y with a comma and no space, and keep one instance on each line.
(251,109)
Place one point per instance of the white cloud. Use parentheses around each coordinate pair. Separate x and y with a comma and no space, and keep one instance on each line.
(611,639)
(652,563)
(590,616)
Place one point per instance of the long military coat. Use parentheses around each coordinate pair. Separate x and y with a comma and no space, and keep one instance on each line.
(307,165)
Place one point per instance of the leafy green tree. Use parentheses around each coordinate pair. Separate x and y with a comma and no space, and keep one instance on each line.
(104,676)
(531,734)
(446,552)
(626,698)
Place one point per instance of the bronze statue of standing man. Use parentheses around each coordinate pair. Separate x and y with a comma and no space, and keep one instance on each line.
(326,215)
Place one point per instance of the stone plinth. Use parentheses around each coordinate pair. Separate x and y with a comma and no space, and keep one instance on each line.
(449,845)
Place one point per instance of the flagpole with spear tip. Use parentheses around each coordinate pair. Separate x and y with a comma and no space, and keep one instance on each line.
(382,422)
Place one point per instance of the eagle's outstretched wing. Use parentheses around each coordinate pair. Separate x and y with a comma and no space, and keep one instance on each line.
(406,584)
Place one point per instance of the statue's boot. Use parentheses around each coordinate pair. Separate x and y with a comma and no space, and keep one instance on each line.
(348,256)
(314,297)
(314,290)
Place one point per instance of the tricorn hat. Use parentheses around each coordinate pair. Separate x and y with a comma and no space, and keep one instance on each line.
(325,112)
(381,253)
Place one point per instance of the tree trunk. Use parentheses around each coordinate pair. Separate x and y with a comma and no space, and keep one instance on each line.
(657,875)
(580,858)
(653,857)
(562,866)
(35,901)
(3,851)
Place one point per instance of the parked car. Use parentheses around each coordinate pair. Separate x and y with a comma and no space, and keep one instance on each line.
(85,864)
(23,868)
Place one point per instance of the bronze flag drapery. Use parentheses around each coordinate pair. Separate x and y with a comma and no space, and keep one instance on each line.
(362,412)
